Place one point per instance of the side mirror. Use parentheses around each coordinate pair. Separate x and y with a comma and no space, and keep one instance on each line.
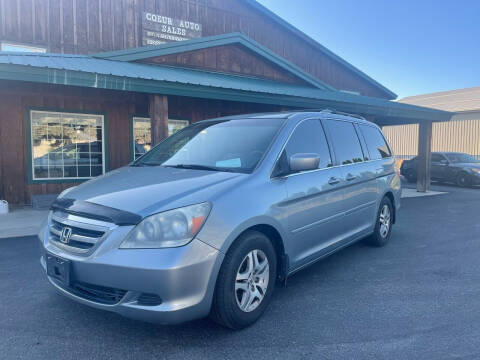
(303,162)
(444,162)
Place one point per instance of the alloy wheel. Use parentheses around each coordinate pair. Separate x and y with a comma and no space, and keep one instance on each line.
(252,280)
(384,220)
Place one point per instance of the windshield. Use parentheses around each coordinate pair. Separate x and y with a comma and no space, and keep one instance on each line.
(229,145)
(461,158)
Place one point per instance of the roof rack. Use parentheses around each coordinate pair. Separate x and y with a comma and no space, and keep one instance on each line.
(330,111)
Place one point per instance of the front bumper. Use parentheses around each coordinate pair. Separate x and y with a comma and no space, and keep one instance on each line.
(183,278)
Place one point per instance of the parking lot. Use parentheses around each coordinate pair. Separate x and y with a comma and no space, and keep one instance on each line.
(417,298)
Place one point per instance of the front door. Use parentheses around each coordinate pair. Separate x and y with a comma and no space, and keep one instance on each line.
(313,209)
(439,165)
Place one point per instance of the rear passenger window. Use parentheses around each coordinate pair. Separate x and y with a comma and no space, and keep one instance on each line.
(345,141)
(308,137)
(377,147)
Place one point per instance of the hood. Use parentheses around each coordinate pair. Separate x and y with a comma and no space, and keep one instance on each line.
(147,190)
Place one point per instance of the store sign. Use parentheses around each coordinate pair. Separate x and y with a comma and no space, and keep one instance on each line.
(158,29)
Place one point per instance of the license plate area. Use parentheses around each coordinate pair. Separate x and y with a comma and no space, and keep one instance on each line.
(58,269)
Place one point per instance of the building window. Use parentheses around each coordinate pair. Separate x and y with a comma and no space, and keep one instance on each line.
(66,145)
(5,46)
(142,134)
(175,125)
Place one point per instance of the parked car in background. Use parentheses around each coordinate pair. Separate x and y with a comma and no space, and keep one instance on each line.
(212,217)
(452,167)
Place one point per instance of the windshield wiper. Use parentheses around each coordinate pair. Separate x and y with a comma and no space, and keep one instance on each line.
(199,167)
(146,164)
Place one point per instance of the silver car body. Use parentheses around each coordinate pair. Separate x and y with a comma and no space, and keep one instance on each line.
(308,215)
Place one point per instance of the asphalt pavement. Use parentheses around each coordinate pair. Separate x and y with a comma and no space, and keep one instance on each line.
(416,298)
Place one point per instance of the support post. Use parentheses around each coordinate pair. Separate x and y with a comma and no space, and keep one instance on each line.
(424,155)
(158,111)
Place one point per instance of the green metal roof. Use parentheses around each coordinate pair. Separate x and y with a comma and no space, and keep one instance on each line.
(146,52)
(265,11)
(87,71)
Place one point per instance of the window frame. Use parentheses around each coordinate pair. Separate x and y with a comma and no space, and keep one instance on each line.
(442,156)
(360,138)
(360,132)
(29,144)
(284,145)
(132,133)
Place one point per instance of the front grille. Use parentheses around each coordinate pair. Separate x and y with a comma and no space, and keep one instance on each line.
(100,294)
(84,233)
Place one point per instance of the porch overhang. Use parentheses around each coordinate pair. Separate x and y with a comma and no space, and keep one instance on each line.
(89,72)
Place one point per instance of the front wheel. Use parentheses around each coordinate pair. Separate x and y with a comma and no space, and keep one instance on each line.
(383,224)
(246,281)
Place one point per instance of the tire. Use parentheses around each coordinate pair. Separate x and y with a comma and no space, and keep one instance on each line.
(411,176)
(463,180)
(380,237)
(230,301)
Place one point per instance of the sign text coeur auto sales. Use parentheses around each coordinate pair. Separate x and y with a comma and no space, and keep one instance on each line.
(158,29)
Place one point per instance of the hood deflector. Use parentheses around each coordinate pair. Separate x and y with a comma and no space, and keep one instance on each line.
(96,211)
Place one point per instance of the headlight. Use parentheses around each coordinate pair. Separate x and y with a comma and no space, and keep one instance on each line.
(476,170)
(168,229)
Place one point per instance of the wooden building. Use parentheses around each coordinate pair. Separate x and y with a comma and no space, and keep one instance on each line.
(88,85)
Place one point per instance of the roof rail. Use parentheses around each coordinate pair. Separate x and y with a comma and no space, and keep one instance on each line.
(331,111)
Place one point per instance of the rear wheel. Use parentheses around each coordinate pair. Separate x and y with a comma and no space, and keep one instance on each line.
(383,225)
(246,281)
(463,180)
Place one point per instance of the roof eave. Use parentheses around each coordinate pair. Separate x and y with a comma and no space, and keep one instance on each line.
(336,100)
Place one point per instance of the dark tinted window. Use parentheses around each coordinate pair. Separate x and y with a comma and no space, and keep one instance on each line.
(377,147)
(438,158)
(345,142)
(308,137)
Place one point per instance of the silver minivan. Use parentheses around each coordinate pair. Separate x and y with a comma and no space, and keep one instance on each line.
(210,219)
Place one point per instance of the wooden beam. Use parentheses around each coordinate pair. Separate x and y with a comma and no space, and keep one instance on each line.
(424,155)
(158,110)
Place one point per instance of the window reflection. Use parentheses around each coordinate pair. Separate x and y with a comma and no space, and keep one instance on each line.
(66,145)
(142,133)
(142,137)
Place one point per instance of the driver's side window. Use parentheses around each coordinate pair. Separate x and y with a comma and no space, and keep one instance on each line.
(308,137)
(438,158)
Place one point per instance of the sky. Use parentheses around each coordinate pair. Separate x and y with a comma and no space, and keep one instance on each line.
(411,47)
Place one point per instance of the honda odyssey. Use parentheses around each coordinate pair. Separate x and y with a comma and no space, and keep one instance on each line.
(210,219)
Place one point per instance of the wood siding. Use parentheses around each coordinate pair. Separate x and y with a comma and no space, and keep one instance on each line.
(232,59)
(461,134)
(16,98)
(86,26)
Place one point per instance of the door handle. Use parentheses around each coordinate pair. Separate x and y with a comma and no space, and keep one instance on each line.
(333,181)
(350,177)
